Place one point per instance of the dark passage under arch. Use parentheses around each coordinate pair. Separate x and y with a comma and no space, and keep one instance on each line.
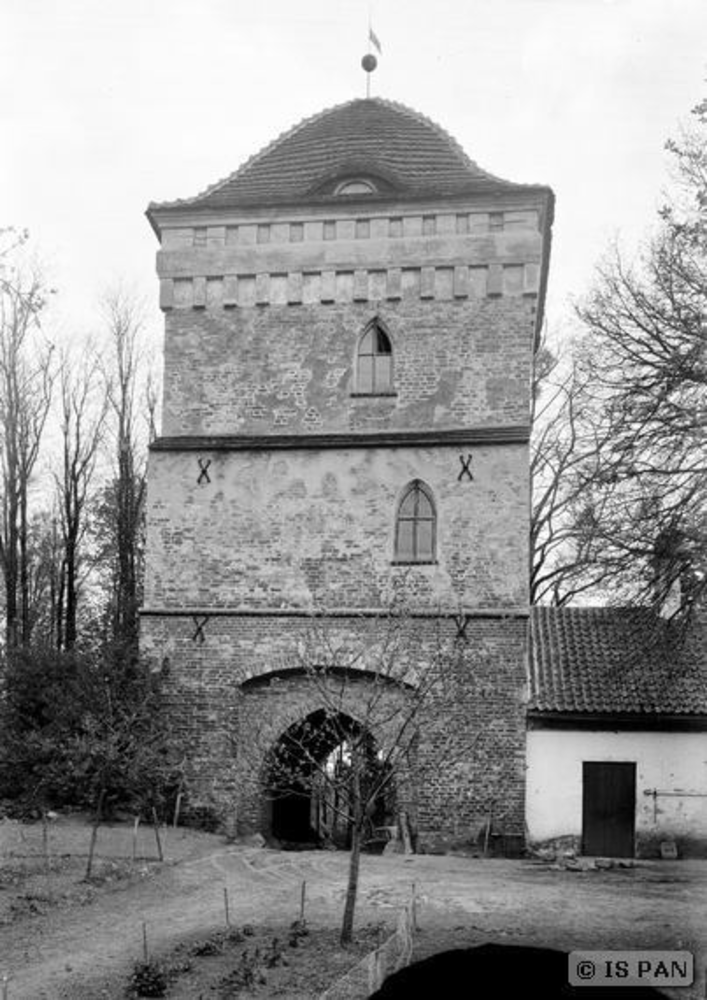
(309,779)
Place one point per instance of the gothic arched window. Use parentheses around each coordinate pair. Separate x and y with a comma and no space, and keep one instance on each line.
(374,362)
(416,525)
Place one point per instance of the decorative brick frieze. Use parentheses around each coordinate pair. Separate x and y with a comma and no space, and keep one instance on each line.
(199,293)
(230,290)
(494,285)
(377,227)
(427,283)
(215,236)
(166,293)
(393,279)
(328,287)
(363,285)
(360,286)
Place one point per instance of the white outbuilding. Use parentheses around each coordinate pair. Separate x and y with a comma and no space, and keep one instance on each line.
(617,732)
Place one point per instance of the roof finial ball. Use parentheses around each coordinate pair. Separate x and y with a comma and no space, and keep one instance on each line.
(369,63)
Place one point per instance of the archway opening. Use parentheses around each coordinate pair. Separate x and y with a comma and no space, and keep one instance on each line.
(313,774)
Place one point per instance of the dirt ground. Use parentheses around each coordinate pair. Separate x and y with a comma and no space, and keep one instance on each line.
(61,937)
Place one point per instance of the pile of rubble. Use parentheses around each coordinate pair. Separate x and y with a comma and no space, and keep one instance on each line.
(569,861)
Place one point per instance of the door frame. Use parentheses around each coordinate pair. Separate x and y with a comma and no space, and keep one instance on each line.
(589,786)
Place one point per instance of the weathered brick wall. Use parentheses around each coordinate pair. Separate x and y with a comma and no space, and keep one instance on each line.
(470,757)
(481,741)
(291,369)
(263,311)
(301,528)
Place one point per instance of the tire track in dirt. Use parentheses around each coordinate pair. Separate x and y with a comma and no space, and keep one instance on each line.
(59,955)
(177,902)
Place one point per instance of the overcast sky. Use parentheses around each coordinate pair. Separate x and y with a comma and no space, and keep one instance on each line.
(107,106)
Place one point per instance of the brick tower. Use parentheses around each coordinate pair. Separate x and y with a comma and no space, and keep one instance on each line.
(350,321)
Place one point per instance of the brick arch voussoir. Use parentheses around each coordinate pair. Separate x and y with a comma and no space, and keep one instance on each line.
(274,703)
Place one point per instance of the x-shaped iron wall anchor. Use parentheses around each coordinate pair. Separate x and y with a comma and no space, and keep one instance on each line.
(461,622)
(204,476)
(465,469)
(199,622)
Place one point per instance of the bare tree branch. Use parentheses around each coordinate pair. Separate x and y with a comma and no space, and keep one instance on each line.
(26,381)
(619,462)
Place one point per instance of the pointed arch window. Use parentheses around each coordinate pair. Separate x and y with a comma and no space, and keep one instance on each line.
(374,362)
(416,525)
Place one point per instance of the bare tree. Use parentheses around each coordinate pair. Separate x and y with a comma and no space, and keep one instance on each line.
(561,554)
(26,380)
(378,722)
(131,409)
(83,408)
(620,466)
(44,566)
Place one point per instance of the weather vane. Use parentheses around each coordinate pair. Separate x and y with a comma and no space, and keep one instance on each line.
(369,61)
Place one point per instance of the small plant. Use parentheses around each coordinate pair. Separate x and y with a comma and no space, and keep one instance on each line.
(246,975)
(248,930)
(298,930)
(274,957)
(31,904)
(210,946)
(148,979)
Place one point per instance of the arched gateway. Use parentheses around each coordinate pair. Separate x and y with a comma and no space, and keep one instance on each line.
(311,779)
(288,440)
(315,747)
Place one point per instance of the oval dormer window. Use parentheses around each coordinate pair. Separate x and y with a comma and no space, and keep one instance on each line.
(355,186)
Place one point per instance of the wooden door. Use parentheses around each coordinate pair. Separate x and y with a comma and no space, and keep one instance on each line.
(608,808)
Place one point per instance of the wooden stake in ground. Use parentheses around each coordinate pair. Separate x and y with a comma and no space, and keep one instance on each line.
(225,905)
(487,833)
(177,807)
(145,951)
(136,824)
(303,896)
(45,839)
(94,832)
(156,825)
(405,832)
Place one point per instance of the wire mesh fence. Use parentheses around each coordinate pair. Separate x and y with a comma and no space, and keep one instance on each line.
(393,954)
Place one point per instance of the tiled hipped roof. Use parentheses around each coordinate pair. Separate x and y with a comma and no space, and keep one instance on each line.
(616,660)
(410,153)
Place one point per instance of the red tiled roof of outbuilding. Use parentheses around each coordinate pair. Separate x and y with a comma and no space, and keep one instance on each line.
(409,153)
(615,660)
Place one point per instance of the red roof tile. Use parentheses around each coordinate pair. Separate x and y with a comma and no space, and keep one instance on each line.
(407,152)
(615,660)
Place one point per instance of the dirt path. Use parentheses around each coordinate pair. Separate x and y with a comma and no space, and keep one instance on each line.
(654,905)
